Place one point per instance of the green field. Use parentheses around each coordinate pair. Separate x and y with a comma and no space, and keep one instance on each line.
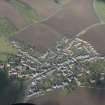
(26,11)
(5,49)
(6,27)
(100,9)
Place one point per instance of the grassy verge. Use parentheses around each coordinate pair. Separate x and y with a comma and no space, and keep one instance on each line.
(100,9)
(27,12)
(5,49)
(6,27)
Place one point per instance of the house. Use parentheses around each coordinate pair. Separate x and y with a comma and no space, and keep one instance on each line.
(2,66)
(92,81)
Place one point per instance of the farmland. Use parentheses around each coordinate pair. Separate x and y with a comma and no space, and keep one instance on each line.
(10,13)
(68,22)
(17,14)
(6,27)
(25,10)
(46,8)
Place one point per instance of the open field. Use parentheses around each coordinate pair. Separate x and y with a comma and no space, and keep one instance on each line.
(25,10)
(76,16)
(45,8)
(80,96)
(6,10)
(73,18)
(100,8)
(18,13)
(6,27)
(96,37)
(40,36)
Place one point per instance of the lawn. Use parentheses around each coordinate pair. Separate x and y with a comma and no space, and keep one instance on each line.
(6,27)
(5,49)
(100,8)
(26,11)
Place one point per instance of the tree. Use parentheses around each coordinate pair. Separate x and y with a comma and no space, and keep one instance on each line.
(10,90)
(56,1)
(3,80)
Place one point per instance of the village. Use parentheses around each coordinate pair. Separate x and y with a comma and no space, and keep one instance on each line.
(57,68)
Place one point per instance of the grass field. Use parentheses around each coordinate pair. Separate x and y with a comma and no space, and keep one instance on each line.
(26,11)
(6,27)
(5,49)
(100,8)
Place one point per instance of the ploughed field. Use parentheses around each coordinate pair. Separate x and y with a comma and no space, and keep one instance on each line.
(81,96)
(24,12)
(18,13)
(8,11)
(74,17)
(46,8)
(39,36)
(69,21)
(96,37)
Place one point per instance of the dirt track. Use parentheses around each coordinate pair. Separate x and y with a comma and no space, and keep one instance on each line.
(96,36)
(73,18)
